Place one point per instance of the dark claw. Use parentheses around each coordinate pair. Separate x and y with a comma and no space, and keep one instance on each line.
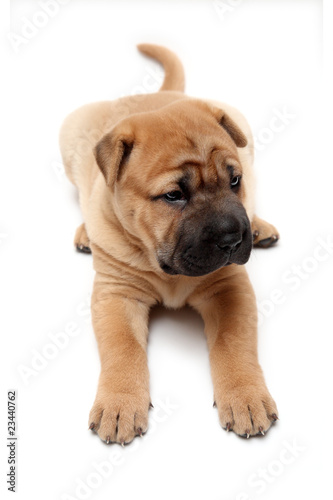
(267,242)
(83,249)
(92,426)
(151,405)
(275,417)
(214,404)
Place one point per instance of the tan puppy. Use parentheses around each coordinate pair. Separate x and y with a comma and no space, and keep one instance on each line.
(166,191)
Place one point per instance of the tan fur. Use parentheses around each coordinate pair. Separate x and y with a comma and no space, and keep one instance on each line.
(125,229)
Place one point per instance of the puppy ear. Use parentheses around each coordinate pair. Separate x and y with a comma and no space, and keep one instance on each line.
(229,126)
(233,130)
(112,153)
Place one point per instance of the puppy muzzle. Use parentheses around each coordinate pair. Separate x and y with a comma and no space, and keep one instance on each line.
(202,250)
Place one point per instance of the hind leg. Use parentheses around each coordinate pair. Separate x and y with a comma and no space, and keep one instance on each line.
(81,240)
(264,234)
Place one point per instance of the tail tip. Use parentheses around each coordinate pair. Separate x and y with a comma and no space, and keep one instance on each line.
(144,47)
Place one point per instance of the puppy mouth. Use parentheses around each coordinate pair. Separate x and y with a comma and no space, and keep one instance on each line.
(192,269)
(189,267)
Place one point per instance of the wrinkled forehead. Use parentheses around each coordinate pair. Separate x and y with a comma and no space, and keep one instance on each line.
(198,157)
(199,174)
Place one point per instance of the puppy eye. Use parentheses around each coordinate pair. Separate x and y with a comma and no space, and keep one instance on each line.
(174,196)
(235,181)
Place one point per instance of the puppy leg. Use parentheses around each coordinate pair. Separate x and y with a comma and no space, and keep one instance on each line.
(264,234)
(120,410)
(240,393)
(81,240)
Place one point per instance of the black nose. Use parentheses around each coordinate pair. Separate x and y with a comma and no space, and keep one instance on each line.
(226,233)
(229,241)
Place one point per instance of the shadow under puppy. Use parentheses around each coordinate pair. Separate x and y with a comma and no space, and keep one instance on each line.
(167,197)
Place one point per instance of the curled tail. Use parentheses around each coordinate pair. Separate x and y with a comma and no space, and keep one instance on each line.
(174,78)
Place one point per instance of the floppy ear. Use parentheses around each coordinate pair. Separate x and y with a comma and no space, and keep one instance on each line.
(112,153)
(233,130)
(229,126)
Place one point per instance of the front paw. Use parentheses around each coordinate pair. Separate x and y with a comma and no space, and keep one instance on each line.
(264,234)
(247,410)
(119,417)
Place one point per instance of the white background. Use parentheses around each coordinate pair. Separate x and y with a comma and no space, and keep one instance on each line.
(260,56)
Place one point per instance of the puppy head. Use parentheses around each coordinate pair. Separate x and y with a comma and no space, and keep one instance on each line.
(177,187)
